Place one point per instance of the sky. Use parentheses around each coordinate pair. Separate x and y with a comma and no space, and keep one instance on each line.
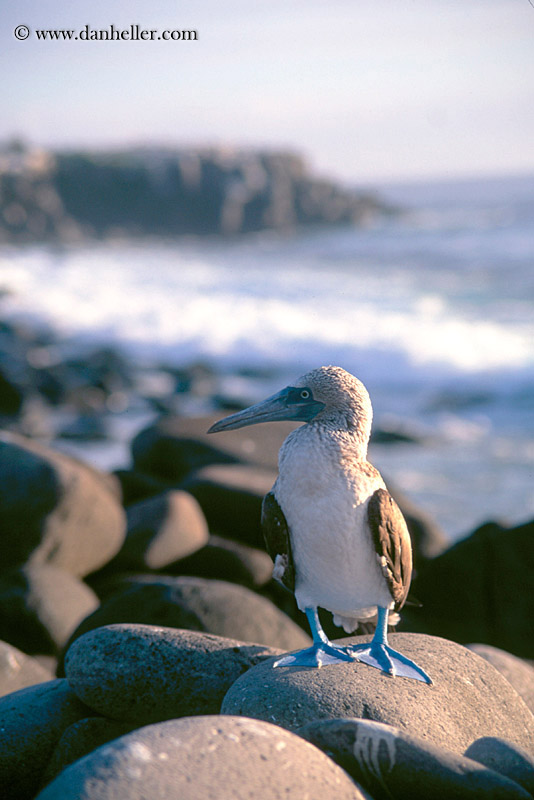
(367,90)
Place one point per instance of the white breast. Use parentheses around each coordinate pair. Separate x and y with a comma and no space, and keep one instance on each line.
(323,489)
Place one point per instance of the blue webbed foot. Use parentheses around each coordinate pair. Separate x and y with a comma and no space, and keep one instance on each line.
(322,651)
(385,658)
(318,655)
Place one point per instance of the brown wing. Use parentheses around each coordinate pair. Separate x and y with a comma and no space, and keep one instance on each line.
(278,541)
(392,544)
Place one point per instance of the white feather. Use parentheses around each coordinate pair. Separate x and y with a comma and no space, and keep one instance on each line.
(323,488)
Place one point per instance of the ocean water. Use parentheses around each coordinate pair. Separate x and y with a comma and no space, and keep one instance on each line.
(433,309)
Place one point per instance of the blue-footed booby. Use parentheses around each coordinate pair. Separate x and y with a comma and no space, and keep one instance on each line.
(336,536)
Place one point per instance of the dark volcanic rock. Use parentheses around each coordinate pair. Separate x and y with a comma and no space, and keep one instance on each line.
(208,757)
(179,450)
(227,560)
(470,592)
(467,700)
(505,758)
(137,486)
(40,607)
(54,509)
(161,530)
(218,607)
(143,673)
(81,738)
(388,762)
(17,670)
(185,440)
(231,497)
(11,396)
(515,670)
(33,719)
(158,452)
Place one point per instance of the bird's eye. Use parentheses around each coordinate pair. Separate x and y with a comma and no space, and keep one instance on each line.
(305,394)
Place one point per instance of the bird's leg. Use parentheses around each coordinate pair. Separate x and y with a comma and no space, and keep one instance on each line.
(379,654)
(320,653)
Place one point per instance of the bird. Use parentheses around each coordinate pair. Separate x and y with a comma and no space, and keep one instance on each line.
(337,538)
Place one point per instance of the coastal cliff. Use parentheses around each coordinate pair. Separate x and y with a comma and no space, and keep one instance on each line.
(60,196)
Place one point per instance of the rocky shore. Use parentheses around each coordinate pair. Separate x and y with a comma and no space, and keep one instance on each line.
(71,196)
(139,620)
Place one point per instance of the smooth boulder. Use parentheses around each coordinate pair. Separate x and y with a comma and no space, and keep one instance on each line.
(161,530)
(197,604)
(227,560)
(515,670)
(505,758)
(18,670)
(468,698)
(55,510)
(33,720)
(80,739)
(389,762)
(231,497)
(144,673)
(207,757)
(40,607)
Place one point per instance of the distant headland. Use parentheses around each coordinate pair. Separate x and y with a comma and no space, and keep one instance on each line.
(76,195)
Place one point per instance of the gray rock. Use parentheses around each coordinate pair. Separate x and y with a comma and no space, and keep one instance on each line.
(159,452)
(81,738)
(231,496)
(211,757)
(483,603)
(197,604)
(228,475)
(162,530)
(388,762)
(40,607)
(467,700)
(515,670)
(17,670)
(505,758)
(143,673)
(55,510)
(227,560)
(33,719)
(177,445)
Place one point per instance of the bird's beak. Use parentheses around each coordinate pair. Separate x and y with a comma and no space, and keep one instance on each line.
(281,406)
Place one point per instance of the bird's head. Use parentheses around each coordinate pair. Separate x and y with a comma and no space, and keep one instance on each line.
(327,396)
